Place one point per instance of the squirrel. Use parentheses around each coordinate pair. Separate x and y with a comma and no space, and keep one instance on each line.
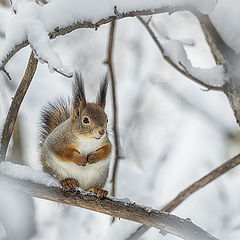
(74,143)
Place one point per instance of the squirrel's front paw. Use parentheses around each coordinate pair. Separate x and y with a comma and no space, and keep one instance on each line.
(82,162)
(69,183)
(99,192)
(91,158)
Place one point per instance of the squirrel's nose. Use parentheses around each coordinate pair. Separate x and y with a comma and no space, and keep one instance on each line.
(101,132)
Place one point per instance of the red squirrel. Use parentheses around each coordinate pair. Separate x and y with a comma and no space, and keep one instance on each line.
(74,144)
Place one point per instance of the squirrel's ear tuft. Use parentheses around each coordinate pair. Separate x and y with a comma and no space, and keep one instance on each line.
(101,99)
(78,98)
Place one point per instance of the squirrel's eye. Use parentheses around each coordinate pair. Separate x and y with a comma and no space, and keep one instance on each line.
(85,120)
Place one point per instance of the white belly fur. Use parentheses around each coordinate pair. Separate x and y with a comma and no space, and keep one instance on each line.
(91,175)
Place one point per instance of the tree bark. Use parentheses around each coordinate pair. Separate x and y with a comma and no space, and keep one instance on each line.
(165,222)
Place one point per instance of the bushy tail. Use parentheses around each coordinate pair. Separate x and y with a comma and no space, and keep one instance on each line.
(53,115)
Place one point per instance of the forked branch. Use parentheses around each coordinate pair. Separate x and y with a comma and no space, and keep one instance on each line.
(179,66)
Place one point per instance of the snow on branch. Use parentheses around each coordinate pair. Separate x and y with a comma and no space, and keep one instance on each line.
(183,195)
(27,173)
(32,22)
(175,54)
(212,78)
(32,182)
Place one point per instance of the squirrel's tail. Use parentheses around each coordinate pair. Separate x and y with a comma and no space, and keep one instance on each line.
(53,115)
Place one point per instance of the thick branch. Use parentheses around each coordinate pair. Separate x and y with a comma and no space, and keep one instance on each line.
(230,60)
(15,105)
(178,66)
(227,166)
(166,222)
(88,24)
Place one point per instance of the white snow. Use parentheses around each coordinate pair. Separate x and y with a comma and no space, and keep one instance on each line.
(33,22)
(172,133)
(214,76)
(27,173)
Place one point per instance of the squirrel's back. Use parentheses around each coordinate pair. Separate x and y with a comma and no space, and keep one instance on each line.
(52,115)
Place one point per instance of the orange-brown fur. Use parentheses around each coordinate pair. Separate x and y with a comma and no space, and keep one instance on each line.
(99,192)
(69,183)
(101,154)
(68,153)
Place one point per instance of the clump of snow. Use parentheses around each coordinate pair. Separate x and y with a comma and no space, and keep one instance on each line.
(26,25)
(214,76)
(33,22)
(203,6)
(148,209)
(27,173)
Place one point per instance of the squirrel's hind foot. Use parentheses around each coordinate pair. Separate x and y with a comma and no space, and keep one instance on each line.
(69,183)
(99,192)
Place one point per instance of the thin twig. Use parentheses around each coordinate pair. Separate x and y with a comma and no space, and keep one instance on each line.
(58,31)
(55,69)
(163,221)
(7,74)
(15,105)
(227,166)
(169,60)
(110,64)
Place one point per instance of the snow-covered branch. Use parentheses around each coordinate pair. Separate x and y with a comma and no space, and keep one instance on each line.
(226,56)
(175,54)
(213,175)
(119,208)
(75,16)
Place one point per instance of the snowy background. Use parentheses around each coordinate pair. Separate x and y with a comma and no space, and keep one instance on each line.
(172,133)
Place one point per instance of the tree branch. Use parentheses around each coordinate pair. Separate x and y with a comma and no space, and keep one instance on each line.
(227,57)
(165,222)
(88,24)
(15,105)
(178,66)
(7,73)
(67,75)
(227,166)
(110,64)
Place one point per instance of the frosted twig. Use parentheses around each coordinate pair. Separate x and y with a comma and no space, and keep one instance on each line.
(118,208)
(15,105)
(55,69)
(179,67)
(7,73)
(88,24)
(227,166)
(42,1)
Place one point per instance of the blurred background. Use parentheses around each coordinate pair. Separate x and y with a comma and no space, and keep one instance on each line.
(172,132)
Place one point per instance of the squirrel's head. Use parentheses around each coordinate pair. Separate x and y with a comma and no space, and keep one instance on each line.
(89,119)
